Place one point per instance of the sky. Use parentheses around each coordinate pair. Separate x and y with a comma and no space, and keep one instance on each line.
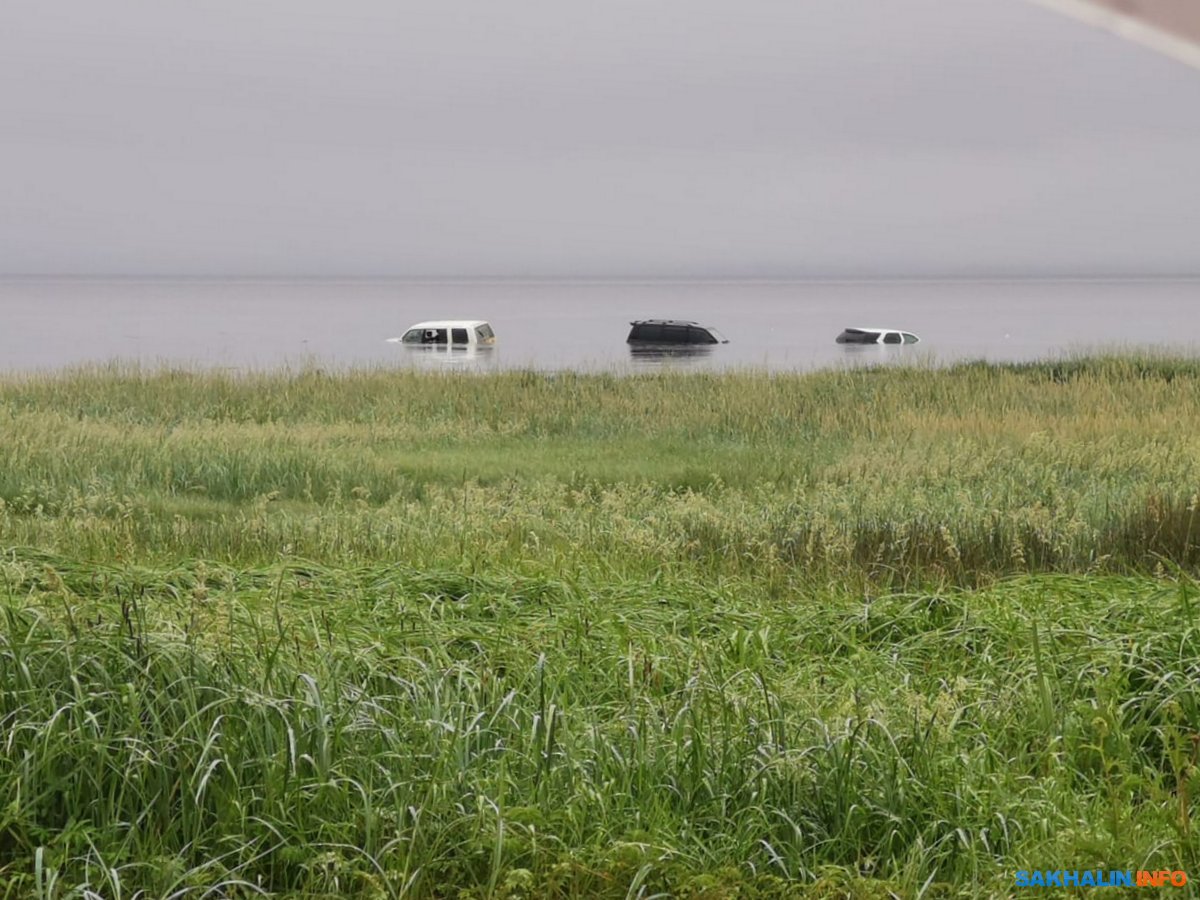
(614,139)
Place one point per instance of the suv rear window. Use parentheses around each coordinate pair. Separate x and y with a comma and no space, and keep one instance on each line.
(857,336)
(644,332)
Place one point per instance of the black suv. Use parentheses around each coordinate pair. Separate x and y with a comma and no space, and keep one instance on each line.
(672,331)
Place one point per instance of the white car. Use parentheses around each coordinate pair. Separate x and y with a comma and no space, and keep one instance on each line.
(459,332)
(876,336)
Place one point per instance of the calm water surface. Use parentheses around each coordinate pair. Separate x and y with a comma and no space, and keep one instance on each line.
(49,324)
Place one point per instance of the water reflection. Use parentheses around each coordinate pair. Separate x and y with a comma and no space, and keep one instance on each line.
(450,356)
(870,354)
(666,354)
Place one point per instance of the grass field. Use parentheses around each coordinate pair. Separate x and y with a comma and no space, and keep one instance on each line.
(872,633)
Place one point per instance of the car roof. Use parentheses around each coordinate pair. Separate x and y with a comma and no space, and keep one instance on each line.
(666,322)
(865,328)
(449,323)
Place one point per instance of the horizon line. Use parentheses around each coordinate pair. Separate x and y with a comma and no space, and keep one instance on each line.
(597,280)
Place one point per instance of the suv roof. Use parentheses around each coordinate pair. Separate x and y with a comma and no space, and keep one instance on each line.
(673,331)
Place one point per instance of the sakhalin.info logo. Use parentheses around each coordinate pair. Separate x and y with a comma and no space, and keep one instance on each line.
(1100,878)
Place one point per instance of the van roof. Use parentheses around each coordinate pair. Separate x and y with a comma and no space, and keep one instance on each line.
(449,323)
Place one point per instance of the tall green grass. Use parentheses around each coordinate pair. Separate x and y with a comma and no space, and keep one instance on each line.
(958,474)
(865,633)
(390,732)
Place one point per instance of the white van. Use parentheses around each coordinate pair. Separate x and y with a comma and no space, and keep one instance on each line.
(460,332)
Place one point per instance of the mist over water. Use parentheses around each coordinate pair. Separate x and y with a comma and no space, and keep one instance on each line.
(555,326)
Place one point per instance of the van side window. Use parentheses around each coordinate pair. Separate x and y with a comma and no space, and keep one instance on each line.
(891,337)
(458,335)
(434,336)
(675,334)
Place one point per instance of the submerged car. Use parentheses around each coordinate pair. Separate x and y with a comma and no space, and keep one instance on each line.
(876,336)
(462,332)
(672,331)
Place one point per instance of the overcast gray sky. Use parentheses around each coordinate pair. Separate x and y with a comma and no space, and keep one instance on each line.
(623,138)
